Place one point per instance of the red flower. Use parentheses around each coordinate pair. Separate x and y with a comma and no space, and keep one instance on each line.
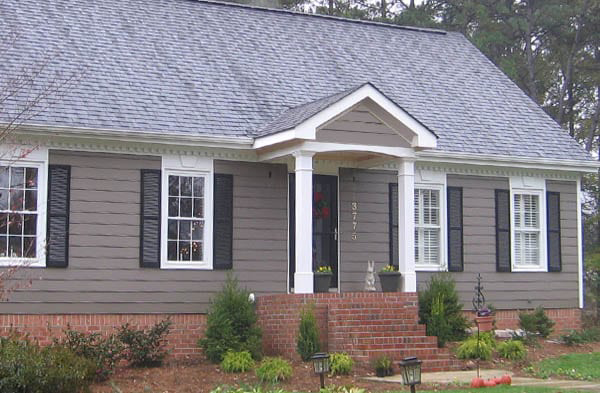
(325,212)
(319,196)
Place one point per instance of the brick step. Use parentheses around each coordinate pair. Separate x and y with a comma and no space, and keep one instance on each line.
(388,327)
(388,340)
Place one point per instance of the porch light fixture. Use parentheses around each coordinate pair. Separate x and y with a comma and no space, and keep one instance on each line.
(411,372)
(321,364)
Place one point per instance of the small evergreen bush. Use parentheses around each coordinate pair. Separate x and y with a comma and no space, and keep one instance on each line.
(273,370)
(469,349)
(582,337)
(145,348)
(231,324)
(25,367)
(536,323)
(104,352)
(441,311)
(237,362)
(341,364)
(512,350)
(307,343)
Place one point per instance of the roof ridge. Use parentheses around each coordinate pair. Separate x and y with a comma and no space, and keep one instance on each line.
(338,18)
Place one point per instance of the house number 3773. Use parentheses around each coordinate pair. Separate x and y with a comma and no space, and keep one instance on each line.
(354,220)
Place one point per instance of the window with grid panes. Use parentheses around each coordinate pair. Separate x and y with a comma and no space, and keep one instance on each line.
(526,218)
(186,218)
(18,212)
(427,227)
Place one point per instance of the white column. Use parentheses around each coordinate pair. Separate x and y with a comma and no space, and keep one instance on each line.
(303,278)
(406,223)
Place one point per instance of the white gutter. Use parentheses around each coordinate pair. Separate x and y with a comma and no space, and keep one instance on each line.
(139,136)
(590,166)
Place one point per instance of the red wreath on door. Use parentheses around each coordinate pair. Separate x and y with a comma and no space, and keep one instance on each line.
(321,207)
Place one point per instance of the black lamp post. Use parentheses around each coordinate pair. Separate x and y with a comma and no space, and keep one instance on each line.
(321,364)
(411,372)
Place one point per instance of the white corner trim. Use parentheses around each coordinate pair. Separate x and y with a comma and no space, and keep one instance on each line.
(187,166)
(307,129)
(580,246)
(33,157)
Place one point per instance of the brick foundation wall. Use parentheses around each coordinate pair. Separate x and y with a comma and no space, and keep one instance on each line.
(566,319)
(185,330)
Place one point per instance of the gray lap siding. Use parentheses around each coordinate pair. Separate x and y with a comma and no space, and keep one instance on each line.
(503,290)
(104,276)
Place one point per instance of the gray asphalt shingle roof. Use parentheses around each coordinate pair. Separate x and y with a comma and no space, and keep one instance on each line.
(206,68)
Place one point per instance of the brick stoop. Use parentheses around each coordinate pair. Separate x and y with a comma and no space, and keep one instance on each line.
(364,325)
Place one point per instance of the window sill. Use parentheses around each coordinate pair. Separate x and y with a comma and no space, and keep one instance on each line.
(185,266)
(430,268)
(536,269)
(21,262)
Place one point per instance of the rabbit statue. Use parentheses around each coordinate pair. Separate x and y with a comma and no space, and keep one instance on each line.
(370,277)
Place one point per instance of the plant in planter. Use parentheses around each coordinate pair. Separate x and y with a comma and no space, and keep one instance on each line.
(384,367)
(389,277)
(323,276)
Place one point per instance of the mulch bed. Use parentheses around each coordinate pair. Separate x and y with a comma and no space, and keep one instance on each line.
(204,376)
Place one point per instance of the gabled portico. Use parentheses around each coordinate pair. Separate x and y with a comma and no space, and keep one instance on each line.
(365,129)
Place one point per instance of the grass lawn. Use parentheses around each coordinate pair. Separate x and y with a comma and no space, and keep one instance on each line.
(581,366)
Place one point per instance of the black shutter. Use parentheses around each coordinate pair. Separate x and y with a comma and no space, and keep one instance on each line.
(150,218)
(223,222)
(393,220)
(455,229)
(503,243)
(59,190)
(553,231)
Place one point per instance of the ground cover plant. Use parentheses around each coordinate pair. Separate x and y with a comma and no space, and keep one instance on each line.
(470,349)
(237,362)
(581,366)
(441,311)
(341,364)
(581,337)
(512,350)
(231,324)
(273,370)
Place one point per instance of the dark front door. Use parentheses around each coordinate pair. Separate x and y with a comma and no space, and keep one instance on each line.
(324,221)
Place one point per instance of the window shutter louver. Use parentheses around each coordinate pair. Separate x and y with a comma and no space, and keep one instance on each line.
(455,229)
(553,231)
(503,259)
(223,222)
(393,220)
(150,218)
(59,189)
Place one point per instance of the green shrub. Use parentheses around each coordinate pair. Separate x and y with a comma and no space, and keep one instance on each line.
(341,364)
(273,370)
(441,311)
(307,343)
(231,324)
(469,349)
(104,352)
(536,323)
(145,348)
(383,366)
(237,362)
(582,337)
(512,350)
(25,367)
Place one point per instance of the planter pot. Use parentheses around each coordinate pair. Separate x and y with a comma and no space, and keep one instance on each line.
(390,281)
(322,282)
(383,372)
(484,324)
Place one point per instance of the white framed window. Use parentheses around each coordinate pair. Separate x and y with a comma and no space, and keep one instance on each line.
(23,213)
(528,234)
(429,224)
(187,210)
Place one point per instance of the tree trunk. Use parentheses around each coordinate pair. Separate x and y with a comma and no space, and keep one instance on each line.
(383,9)
(589,141)
(568,74)
(331,2)
(529,53)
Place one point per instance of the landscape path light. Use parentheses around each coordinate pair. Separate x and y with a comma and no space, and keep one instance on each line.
(321,364)
(411,372)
